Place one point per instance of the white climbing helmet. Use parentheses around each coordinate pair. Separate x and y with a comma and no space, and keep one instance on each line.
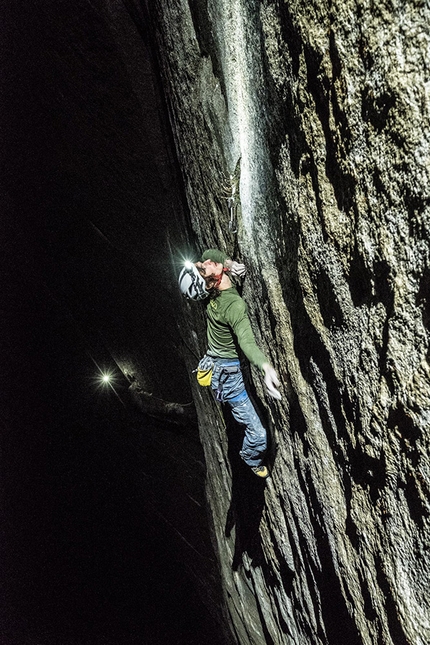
(191,283)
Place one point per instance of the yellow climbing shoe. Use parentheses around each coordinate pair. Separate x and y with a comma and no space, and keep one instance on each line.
(260,471)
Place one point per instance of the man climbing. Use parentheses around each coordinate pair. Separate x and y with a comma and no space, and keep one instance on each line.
(228,327)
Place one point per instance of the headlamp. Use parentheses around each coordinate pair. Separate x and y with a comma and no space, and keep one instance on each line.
(106,378)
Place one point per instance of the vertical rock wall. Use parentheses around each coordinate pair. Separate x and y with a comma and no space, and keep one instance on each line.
(327,105)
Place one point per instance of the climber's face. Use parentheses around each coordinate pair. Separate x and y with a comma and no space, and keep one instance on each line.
(209,269)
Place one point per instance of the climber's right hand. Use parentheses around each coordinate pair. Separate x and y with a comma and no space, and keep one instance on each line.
(236,268)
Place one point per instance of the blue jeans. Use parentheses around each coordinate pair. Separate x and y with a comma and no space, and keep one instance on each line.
(228,386)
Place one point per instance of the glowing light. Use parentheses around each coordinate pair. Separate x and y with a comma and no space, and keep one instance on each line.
(188,265)
(105,378)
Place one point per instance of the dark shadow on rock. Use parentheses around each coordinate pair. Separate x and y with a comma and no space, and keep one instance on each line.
(181,414)
(339,625)
(247,499)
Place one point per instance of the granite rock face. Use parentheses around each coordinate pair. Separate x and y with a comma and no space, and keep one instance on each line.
(327,108)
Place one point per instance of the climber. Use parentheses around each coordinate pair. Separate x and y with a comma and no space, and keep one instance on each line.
(228,327)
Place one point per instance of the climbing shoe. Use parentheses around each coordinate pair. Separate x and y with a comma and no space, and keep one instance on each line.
(260,471)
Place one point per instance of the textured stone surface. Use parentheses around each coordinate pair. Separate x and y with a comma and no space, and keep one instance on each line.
(327,104)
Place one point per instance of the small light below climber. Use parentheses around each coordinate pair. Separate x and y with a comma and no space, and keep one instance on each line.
(105,379)
(228,327)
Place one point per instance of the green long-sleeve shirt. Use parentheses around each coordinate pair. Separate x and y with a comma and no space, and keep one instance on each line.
(229,326)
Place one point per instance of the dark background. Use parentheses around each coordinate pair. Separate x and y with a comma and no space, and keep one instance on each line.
(92,216)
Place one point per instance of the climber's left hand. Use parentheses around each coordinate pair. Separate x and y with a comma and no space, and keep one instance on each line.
(271,381)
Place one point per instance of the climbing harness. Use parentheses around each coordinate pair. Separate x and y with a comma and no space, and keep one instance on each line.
(226,371)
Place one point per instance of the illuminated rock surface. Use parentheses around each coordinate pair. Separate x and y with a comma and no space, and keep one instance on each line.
(328,109)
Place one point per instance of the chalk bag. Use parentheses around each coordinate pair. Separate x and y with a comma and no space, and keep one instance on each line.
(204,371)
